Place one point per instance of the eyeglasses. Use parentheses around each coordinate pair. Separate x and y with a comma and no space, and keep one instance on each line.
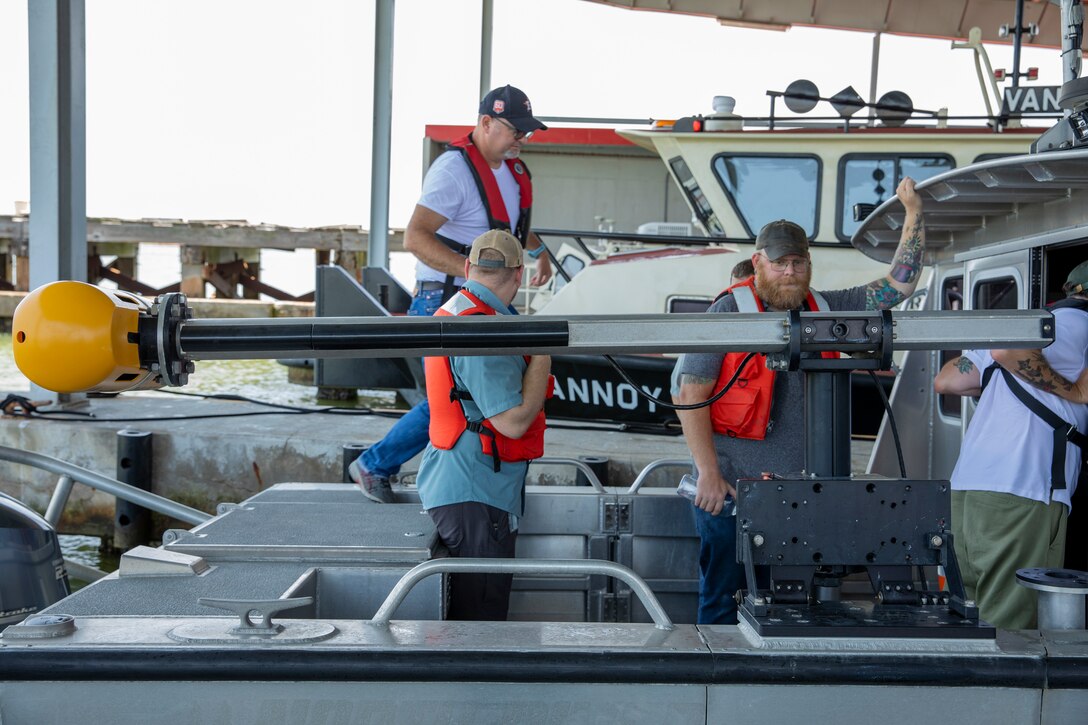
(518,135)
(781,265)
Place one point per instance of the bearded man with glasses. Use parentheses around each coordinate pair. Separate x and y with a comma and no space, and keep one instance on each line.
(478,184)
(758,425)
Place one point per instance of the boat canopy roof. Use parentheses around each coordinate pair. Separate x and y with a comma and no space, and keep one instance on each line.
(930,18)
(1001,205)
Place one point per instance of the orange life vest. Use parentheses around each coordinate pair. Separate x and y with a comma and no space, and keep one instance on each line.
(745,409)
(497,217)
(448,421)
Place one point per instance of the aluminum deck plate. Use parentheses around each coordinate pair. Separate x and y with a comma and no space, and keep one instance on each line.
(322,530)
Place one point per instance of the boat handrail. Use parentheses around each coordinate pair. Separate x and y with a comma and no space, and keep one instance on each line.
(536,567)
(653,466)
(70,472)
(589,473)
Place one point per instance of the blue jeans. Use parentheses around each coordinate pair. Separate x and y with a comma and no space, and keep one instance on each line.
(409,435)
(720,576)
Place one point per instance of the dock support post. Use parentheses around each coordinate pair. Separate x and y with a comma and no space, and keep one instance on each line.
(351,452)
(132,523)
(598,464)
(192,272)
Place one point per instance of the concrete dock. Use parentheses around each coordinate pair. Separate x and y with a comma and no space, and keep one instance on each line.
(201,460)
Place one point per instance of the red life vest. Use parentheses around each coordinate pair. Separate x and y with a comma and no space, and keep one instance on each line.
(448,419)
(494,206)
(745,410)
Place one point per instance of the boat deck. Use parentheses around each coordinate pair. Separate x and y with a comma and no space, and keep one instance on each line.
(204,461)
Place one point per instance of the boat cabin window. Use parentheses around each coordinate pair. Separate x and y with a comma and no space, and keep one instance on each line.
(765,188)
(995,294)
(951,299)
(688,304)
(872,178)
(696,199)
(572,265)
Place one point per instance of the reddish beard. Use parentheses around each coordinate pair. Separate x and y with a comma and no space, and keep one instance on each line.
(780,291)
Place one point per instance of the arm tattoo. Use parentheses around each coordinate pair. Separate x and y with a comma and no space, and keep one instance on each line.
(964,365)
(1037,371)
(880,295)
(687,379)
(908,260)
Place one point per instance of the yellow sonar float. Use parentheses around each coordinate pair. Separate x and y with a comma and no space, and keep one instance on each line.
(70,337)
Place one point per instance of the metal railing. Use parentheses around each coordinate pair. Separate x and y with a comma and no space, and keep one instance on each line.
(535,567)
(653,466)
(70,473)
(595,481)
(582,466)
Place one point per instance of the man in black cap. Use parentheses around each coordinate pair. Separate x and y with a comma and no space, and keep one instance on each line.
(758,425)
(478,184)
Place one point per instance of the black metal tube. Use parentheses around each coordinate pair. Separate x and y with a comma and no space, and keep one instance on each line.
(201,337)
(827,423)
(132,522)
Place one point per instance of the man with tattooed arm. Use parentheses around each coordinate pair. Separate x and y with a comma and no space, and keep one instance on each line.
(1017,472)
(759,424)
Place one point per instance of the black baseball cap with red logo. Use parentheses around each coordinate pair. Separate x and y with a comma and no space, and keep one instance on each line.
(512,105)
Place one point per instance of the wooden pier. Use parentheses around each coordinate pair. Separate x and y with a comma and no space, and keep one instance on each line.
(223,256)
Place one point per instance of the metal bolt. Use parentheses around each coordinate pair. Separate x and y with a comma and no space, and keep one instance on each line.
(757,540)
(969,603)
(874,329)
(936,541)
(808,329)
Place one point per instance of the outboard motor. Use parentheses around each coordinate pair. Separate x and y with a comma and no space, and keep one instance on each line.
(32,574)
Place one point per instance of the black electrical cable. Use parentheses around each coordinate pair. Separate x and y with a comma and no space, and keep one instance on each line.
(673,406)
(72,416)
(332,410)
(658,429)
(891,422)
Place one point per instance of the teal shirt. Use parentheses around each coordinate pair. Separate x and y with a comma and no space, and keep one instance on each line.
(464,473)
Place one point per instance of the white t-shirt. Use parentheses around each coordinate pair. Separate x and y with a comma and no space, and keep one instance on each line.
(1007,448)
(449,189)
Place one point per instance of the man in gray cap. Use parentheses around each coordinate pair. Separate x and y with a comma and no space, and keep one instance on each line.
(758,425)
(1020,458)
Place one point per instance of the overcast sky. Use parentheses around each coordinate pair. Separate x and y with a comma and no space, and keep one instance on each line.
(261,109)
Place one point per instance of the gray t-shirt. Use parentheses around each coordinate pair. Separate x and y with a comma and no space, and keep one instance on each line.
(783,450)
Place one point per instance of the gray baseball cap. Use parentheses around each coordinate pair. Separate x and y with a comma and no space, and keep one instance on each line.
(1077,281)
(779,238)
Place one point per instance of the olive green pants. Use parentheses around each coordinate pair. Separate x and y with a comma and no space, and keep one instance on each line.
(996,534)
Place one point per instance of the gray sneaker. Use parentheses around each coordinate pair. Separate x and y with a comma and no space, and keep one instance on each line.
(376,488)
